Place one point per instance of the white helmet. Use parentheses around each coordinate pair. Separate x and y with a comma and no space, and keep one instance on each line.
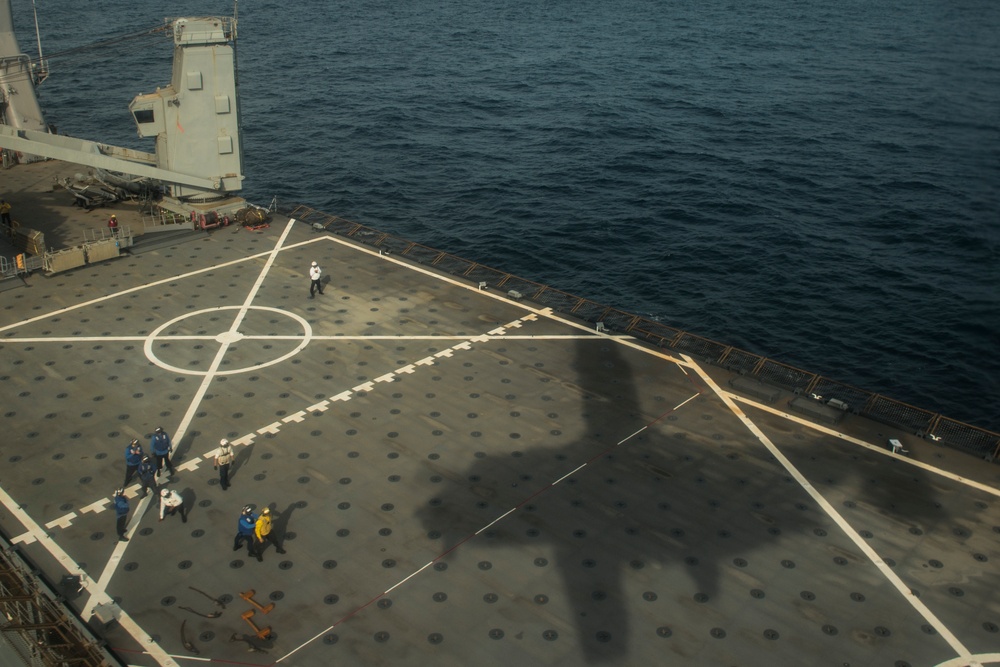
(223,442)
(164,492)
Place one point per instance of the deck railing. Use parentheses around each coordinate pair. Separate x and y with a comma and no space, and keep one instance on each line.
(923,423)
(38,626)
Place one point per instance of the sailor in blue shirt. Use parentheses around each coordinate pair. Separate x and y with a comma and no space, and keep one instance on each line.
(147,475)
(121,512)
(133,457)
(244,530)
(161,448)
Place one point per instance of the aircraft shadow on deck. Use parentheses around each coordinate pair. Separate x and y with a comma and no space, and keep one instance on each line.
(668,512)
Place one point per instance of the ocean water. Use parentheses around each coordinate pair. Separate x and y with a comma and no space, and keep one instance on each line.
(817,182)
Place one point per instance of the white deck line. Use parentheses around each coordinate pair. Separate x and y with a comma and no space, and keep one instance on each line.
(978,659)
(849,531)
(38,534)
(628,341)
(465,344)
(883,450)
(476,339)
(476,533)
(115,295)
(63,558)
(533,315)
(139,288)
(97,592)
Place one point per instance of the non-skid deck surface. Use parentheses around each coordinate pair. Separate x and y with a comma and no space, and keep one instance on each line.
(460,479)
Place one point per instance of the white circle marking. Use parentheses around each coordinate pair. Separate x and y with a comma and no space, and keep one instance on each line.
(226,338)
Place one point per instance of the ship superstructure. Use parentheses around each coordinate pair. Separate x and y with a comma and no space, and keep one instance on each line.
(194,120)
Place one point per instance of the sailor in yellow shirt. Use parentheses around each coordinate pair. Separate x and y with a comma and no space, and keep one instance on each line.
(262,534)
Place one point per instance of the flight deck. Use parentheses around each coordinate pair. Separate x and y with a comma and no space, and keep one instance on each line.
(457,476)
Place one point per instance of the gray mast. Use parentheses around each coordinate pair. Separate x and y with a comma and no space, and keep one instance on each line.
(18,105)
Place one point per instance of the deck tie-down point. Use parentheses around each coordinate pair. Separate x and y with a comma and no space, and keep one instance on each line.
(261,633)
(248,596)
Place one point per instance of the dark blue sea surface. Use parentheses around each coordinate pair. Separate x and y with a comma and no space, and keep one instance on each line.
(818,182)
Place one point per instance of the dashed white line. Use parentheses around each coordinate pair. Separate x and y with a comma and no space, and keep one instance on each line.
(96,506)
(190,464)
(846,527)
(478,532)
(57,552)
(62,522)
(569,474)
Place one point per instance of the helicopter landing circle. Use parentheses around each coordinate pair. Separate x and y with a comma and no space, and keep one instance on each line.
(225,338)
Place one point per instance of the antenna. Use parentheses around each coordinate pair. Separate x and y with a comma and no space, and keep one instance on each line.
(236,77)
(43,69)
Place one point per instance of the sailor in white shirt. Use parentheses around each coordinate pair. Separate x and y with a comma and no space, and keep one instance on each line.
(315,273)
(171,503)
